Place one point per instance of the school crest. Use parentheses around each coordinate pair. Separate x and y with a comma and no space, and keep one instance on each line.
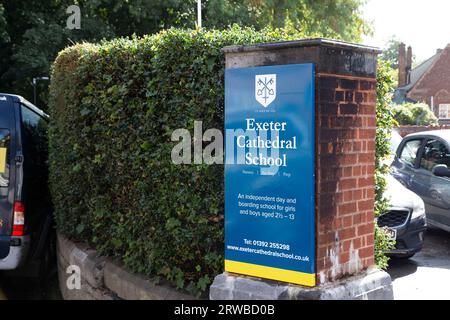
(265,89)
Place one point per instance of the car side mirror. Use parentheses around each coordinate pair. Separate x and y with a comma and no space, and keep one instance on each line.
(441,170)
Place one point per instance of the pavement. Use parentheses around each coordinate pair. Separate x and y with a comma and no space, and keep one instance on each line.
(18,288)
(426,276)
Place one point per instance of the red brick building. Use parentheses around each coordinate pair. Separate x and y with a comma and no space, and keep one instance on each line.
(429,82)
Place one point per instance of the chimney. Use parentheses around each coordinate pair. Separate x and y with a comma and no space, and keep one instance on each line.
(401,65)
(408,65)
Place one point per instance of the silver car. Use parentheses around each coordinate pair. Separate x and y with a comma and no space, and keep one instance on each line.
(405,221)
(422,164)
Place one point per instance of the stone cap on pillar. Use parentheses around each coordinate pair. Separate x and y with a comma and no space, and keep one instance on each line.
(329,56)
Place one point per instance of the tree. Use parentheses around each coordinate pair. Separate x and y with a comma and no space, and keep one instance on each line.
(390,52)
(313,17)
(37,32)
(32,32)
(4,37)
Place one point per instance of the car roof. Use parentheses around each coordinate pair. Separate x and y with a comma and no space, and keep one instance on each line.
(27,103)
(443,134)
(12,95)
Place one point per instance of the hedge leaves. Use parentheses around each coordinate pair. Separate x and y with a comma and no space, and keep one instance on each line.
(114,106)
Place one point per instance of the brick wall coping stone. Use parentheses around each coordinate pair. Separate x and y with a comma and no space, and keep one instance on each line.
(373,284)
(329,56)
(105,279)
(406,130)
(300,43)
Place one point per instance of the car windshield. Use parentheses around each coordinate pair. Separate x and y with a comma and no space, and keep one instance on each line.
(396,138)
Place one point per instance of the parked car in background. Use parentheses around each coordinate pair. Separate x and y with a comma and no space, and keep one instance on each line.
(405,221)
(395,141)
(26,223)
(422,165)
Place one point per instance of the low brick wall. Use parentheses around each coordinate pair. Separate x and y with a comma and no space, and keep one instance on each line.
(104,279)
(405,130)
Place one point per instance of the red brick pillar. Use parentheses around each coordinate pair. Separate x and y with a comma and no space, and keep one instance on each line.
(345,77)
(345,174)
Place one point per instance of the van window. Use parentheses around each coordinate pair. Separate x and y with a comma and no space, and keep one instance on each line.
(409,152)
(30,117)
(34,128)
(5,141)
(435,153)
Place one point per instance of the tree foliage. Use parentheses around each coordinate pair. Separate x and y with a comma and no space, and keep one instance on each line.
(32,32)
(318,17)
(414,114)
(4,37)
(324,17)
(390,52)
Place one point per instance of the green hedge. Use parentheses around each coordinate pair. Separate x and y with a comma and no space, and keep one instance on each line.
(114,106)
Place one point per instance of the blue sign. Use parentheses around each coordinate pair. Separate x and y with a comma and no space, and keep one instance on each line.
(269,173)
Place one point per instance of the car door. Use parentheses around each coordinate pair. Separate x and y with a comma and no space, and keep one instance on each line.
(434,190)
(404,166)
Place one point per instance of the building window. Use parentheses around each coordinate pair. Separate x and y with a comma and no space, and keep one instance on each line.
(444,111)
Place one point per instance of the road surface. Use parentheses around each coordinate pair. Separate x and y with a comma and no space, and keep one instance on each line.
(426,276)
(13,288)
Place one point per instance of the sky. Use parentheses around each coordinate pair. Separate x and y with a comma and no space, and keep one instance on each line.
(422,24)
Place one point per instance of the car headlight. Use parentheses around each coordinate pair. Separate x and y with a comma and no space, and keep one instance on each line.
(419,208)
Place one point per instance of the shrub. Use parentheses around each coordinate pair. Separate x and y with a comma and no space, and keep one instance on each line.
(385,122)
(414,114)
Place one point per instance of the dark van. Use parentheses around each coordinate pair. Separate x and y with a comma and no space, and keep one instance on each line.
(26,223)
